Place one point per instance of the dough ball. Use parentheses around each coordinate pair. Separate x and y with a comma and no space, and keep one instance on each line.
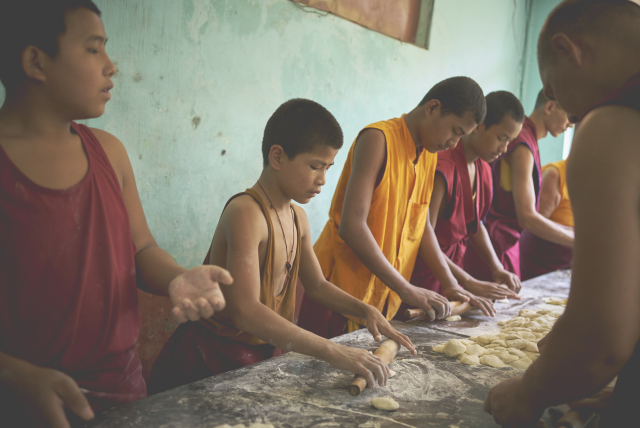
(454,347)
(518,353)
(467,342)
(532,355)
(259,425)
(453,318)
(544,311)
(502,301)
(475,350)
(492,345)
(517,343)
(522,363)
(527,335)
(499,342)
(438,348)
(501,336)
(474,338)
(503,322)
(512,337)
(385,403)
(470,360)
(524,312)
(492,361)
(531,347)
(487,338)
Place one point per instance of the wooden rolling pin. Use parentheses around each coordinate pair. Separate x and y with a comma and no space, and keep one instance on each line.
(386,352)
(457,308)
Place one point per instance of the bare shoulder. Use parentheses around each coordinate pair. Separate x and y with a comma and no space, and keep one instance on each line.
(243,219)
(606,149)
(371,138)
(115,151)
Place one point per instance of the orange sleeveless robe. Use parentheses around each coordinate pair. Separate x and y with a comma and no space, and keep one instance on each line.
(208,347)
(563,214)
(397,219)
(538,256)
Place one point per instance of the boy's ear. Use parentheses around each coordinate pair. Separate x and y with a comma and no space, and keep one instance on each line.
(478,129)
(567,49)
(549,107)
(33,60)
(431,107)
(276,156)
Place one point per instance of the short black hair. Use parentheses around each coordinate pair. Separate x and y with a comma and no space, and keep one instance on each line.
(31,22)
(299,126)
(602,17)
(501,104)
(541,101)
(458,95)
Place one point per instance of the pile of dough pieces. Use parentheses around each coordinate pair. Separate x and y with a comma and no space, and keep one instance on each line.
(515,345)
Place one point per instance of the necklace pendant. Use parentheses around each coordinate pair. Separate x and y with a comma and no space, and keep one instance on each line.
(288,267)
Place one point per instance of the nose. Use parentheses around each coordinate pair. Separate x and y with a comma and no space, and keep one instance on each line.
(322,178)
(110,68)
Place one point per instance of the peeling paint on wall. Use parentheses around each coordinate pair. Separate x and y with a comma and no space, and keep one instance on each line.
(233,62)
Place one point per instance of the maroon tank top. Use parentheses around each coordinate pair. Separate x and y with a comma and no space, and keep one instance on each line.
(68,297)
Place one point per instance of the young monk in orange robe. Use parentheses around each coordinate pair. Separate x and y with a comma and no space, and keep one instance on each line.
(539,256)
(265,242)
(379,213)
(589,62)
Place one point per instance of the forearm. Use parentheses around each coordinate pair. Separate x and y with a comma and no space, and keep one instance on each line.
(572,366)
(458,273)
(9,369)
(435,259)
(359,238)
(483,246)
(155,269)
(546,229)
(265,324)
(330,296)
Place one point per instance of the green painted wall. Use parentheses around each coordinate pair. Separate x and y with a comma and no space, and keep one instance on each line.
(550,147)
(198,80)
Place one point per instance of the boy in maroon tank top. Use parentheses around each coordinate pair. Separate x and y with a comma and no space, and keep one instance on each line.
(588,54)
(462,196)
(74,240)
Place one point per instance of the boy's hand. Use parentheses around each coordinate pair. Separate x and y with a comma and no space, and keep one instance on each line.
(377,325)
(489,290)
(597,402)
(432,303)
(196,293)
(359,361)
(48,392)
(510,406)
(458,293)
(507,278)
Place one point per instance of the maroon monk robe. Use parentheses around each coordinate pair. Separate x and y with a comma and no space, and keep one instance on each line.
(626,396)
(68,298)
(460,213)
(502,221)
(539,256)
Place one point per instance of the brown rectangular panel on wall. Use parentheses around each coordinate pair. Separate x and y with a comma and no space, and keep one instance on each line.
(395,18)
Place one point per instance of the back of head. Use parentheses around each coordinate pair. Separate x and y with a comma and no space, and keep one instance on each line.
(31,22)
(458,95)
(299,126)
(616,20)
(541,101)
(501,104)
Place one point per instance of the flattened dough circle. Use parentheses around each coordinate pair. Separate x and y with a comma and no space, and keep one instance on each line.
(385,403)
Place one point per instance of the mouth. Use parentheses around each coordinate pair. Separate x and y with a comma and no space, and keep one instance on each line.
(106,90)
(313,193)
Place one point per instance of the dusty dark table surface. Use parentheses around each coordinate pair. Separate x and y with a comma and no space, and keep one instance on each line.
(294,390)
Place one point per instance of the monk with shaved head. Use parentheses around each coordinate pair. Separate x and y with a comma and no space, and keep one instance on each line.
(589,59)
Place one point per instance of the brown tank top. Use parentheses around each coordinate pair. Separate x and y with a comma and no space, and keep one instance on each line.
(284,304)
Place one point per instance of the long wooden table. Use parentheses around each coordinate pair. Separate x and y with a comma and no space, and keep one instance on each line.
(294,390)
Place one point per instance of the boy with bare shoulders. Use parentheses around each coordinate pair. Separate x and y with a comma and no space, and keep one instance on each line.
(589,62)
(265,243)
(73,236)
